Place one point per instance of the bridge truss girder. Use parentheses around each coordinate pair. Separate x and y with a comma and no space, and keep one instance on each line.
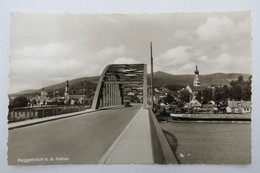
(116,81)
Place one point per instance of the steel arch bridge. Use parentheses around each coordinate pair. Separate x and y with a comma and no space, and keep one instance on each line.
(117,82)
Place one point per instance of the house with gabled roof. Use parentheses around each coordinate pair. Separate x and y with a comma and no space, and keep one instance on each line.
(239,107)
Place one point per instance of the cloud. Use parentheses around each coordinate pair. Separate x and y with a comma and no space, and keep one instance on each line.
(44,60)
(90,42)
(57,62)
(225,59)
(112,51)
(203,58)
(189,67)
(45,67)
(180,35)
(243,28)
(176,56)
(224,47)
(176,60)
(47,64)
(124,60)
(230,63)
(221,28)
(215,28)
(46,51)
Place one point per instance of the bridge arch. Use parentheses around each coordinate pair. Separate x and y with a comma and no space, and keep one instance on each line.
(119,80)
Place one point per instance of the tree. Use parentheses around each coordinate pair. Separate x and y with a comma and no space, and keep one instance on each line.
(33,102)
(218,94)
(19,101)
(225,93)
(174,87)
(236,92)
(168,99)
(246,93)
(240,89)
(240,79)
(199,96)
(250,79)
(207,95)
(185,95)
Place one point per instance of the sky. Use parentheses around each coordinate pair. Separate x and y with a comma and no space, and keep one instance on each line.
(51,48)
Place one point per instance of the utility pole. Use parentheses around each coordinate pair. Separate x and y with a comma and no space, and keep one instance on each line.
(151,47)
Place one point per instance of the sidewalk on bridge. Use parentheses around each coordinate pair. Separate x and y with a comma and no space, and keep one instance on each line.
(134,144)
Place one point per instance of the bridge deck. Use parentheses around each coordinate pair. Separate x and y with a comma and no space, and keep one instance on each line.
(82,139)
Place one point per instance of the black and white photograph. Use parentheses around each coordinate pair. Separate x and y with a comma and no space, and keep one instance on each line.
(130,88)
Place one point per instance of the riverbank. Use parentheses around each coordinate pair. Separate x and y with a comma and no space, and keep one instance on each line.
(220,117)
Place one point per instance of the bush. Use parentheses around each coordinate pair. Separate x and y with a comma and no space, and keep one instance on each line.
(20,101)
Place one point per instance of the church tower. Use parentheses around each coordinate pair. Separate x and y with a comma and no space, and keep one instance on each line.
(43,96)
(66,93)
(196,77)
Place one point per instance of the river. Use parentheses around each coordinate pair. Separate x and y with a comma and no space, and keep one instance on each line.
(210,142)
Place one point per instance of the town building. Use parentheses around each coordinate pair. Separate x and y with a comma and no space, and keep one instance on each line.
(159,95)
(208,108)
(239,107)
(194,104)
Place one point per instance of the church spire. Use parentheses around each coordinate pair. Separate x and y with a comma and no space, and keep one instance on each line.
(66,94)
(196,71)
(196,77)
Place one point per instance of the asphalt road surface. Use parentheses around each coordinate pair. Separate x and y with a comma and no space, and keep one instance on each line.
(80,139)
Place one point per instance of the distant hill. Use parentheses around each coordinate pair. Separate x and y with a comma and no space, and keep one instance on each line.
(77,83)
(160,79)
(163,79)
(90,82)
(26,91)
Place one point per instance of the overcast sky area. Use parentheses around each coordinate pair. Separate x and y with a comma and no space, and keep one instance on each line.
(51,48)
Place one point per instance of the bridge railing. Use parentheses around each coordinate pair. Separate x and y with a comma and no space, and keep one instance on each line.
(21,114)
(162,152)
